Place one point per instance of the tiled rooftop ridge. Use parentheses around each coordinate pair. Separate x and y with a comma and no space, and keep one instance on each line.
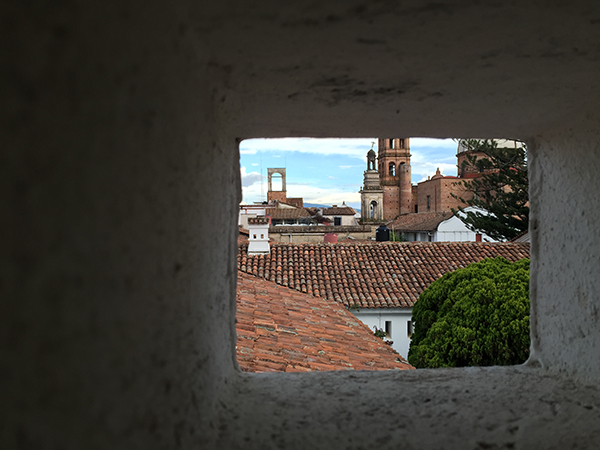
(279,330)
(427,221)
(371,275)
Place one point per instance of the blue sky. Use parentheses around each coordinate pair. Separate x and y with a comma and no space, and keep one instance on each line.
(330,171)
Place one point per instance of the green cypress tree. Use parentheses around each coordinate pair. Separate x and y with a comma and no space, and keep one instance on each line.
(501,190)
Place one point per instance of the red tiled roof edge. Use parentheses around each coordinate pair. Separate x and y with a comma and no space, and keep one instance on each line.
(370,275)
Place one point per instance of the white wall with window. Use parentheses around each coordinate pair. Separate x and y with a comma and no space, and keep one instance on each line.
(454,230)
(396,322)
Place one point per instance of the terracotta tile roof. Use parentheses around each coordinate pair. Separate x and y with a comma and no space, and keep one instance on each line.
(339,211)
(372,275)
(287,213)
(279,330)
(427,221)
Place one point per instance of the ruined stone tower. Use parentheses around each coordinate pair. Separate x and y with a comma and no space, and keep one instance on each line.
(394,176)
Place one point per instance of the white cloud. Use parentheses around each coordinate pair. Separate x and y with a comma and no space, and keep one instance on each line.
(348,167)
(336,198)
(429,169)
(316,194)
(332,178)
(248,179)
(255,164)
(310,194)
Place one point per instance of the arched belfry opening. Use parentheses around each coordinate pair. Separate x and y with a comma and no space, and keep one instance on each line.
(276,183)
(371,165)
(392,169)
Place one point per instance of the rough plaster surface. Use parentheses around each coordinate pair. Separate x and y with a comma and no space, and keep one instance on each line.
(476,408)
(565,256)
(117,252)
(111,281)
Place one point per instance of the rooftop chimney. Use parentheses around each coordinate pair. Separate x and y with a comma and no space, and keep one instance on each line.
(258,239)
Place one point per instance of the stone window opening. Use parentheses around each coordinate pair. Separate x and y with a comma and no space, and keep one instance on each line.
(372,209)
(373,212)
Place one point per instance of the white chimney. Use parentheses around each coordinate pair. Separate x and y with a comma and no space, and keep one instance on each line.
(258,229)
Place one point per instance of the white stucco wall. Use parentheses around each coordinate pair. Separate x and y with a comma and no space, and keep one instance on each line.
(248,212)
(346,220)
(418,236)
(399,318)
(118,251)
(454,230)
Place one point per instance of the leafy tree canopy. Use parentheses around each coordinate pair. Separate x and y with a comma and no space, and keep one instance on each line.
(501,190)
(476,316)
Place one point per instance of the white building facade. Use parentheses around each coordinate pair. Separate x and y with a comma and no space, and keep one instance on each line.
(395,322)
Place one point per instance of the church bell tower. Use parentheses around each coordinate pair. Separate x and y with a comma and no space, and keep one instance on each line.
(371,194)
(394,176)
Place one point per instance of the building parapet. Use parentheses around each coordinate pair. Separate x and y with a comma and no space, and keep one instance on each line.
(320,229)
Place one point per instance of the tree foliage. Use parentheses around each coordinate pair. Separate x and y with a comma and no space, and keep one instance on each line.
(501,190)
(476,316)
